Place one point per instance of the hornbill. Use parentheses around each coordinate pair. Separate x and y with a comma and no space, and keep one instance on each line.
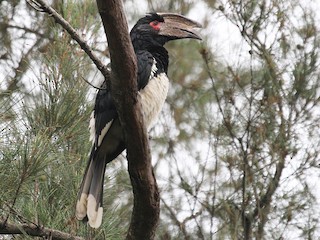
(148,36)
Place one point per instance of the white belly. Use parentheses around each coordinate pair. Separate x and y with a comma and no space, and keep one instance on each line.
(153,97)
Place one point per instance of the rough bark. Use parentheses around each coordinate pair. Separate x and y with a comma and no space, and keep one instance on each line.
(145,213)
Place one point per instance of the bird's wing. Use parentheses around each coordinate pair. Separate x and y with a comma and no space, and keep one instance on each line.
(146,68)
(103,114)
(104,111)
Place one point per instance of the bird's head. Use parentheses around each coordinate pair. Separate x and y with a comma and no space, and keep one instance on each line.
(159,28)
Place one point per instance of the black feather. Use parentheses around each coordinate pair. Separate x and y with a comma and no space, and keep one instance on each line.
(145,61)
(104,110)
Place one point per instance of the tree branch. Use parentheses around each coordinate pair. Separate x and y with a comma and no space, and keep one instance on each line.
(145,213)
(34,230)
(41,5)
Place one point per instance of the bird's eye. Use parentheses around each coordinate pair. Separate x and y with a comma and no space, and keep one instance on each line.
(155,25)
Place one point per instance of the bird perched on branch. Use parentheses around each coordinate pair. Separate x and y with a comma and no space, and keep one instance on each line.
(148,36)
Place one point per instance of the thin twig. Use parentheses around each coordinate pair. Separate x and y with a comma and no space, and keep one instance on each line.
(27,30)
(17,215)
(176,221)
(98,88)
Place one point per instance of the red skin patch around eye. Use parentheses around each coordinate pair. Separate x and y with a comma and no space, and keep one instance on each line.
(155,25)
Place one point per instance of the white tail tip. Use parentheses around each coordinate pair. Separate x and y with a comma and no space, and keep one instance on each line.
(94,212)
(81,208)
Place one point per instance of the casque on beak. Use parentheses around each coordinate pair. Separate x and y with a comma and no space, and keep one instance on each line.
(178,26)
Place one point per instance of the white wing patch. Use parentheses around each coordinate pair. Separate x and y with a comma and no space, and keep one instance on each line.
(153,97)
(92,127)
(104,132)
(154,69)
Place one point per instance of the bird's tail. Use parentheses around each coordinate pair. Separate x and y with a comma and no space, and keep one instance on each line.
(89,204)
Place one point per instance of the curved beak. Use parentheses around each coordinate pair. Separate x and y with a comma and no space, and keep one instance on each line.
(178,26)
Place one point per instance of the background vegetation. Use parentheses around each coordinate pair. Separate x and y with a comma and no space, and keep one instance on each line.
(236,150)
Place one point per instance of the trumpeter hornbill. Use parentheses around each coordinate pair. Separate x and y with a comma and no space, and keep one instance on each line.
(148,36)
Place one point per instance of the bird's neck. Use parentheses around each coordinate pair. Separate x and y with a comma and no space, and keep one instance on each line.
(160,54)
